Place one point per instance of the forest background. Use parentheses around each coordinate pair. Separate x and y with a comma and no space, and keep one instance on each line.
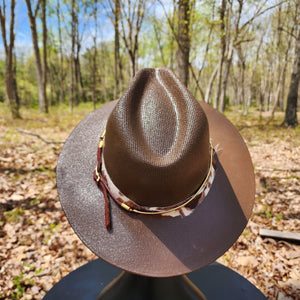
(60,59)
(243,54)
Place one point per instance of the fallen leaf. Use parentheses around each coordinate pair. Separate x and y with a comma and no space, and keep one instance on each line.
(247,261)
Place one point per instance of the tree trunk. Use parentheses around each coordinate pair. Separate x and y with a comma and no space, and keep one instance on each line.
(184,41)
(45,68)
(103,72)
(253,71)
(277,94)
(117,87)
(206,49)
(291,108)
(210,83)
(15,86)
(94,70)
(230,43)
(222,54)
(76,55)
(38,63)
(284,77)
(94,59)
(61,59)
(159,44)
(51,83)
(10,80)
(133,14)
(225,78)
(72,58)
(10,84)
(80,92)
(71,87)
(79,83)
(242,68)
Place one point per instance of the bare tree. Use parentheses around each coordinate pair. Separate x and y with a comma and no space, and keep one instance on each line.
(231,39)
(72,62)
(94,65)
(158,38)
(10,74)
(45,67)
(234,36)
(117,62)
(283,54)
(132,16)
(222,53)
(208,91)
(254,67)
(114,13)
(184,41)
(41,66)
(61,90)
(292,100)
(207,47)
(181,40)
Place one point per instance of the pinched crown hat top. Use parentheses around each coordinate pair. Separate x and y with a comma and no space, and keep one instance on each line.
(157,149)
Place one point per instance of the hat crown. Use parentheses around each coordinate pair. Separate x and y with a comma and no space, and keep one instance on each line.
(157,141)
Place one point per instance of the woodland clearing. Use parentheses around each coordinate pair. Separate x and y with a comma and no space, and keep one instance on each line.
(38,246)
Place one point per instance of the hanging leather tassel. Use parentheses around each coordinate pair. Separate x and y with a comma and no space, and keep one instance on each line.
(100,182)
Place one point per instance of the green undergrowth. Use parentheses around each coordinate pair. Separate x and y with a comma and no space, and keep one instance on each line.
(257,127)
(55,125)
(254,127)
(58,116)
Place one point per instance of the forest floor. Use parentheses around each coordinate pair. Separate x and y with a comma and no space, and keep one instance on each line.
(38,246)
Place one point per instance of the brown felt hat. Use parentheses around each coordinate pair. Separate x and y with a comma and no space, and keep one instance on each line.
(162,151)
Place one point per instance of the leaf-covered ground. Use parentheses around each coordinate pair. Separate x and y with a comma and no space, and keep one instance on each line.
(38,247)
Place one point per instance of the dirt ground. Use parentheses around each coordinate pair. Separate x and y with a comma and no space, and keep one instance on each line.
(38,246)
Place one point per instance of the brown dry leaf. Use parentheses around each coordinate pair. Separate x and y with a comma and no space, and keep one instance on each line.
(291,254)
(282,296)
(16,197)
(247,261)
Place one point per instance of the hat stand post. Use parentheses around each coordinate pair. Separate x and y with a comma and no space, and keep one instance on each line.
(131,286)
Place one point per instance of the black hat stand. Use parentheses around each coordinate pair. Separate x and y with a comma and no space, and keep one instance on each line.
(97,280)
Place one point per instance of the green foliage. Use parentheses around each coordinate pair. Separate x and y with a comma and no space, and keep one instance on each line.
(19,288)
(20,284)
(26,80)
(104,74)
(34,202)
(246,232)
(14,215)
(53,227)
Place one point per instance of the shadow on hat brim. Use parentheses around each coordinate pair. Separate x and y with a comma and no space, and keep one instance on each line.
(152,246)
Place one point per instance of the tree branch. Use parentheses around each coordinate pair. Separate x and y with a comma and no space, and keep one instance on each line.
(288,32)
(37,9)
(39,136)
(3,27)
(259,13)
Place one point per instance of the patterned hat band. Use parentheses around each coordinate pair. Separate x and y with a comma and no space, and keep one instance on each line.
(183,209)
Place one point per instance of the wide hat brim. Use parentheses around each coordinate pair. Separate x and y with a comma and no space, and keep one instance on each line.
(151,246)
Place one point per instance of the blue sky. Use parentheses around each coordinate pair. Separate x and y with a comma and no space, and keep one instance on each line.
(22,30)
(23,43)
